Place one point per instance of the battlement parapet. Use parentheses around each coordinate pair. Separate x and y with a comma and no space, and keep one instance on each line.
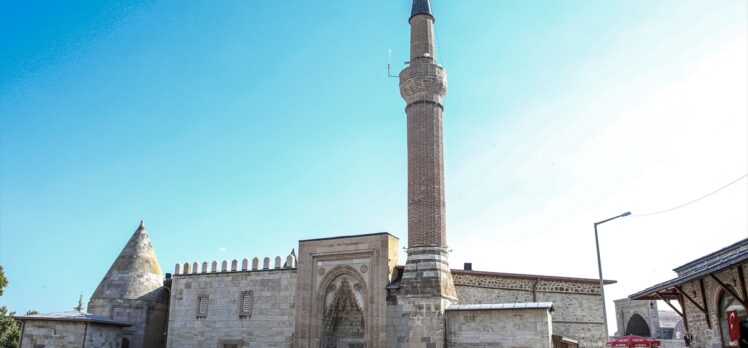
(233,265)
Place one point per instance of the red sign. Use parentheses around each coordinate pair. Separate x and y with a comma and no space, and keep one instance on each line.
(733,326)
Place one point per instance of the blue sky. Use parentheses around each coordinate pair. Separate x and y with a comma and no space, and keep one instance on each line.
(236,128)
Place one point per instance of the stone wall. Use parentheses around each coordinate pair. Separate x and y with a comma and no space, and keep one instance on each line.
(269,323)
(703,336)
(365,263)
(49,334)
(513,328)
(578,307)
(148,317)
(647,310)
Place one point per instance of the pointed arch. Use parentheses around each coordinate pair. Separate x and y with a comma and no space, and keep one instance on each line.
(638,326)
(342,299)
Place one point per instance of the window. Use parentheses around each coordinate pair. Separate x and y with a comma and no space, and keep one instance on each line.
(246,302)
(202,306)
(125,343)
(728,303)
(229,344)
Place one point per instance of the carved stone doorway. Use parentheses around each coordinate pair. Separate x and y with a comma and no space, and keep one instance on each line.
(343,324)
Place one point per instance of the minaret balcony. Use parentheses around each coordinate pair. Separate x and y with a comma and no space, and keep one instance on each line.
(423,83)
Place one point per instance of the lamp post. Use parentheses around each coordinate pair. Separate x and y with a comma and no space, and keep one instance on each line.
(600,269)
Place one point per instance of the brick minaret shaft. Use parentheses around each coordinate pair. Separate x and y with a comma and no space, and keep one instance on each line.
(423,85)
(426,289)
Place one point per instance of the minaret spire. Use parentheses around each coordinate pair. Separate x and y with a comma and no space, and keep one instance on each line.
(421,7)
(427,281)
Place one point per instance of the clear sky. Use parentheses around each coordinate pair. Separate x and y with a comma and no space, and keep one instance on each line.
(236,128)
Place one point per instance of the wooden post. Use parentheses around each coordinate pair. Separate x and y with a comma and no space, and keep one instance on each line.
(706,304)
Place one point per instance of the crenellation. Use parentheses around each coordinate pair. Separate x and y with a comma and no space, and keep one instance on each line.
(290,261)
(233,266)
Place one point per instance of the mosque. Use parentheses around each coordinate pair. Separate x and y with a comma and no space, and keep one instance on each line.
(339,291)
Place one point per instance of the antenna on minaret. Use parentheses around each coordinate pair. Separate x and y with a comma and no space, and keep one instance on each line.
(389,64)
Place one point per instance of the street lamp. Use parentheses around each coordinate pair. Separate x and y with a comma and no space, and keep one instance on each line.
(600,269)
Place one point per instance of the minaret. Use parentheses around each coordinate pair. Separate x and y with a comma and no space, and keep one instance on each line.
(132,291)
(427,281)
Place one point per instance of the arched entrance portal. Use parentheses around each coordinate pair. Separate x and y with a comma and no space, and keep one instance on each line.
(637,326)
(343,323)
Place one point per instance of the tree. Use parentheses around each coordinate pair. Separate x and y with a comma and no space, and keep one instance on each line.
(3,281)
(10,330)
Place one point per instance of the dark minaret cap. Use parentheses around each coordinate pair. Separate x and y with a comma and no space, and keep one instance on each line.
(421,7)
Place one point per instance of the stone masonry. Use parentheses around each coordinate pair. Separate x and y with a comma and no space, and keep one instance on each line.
(244,307)
(508,328)
(70,329)
(132,291)
(69,334)
(365,263)
(578,310)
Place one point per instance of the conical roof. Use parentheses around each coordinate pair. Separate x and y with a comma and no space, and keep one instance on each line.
(421,7)
(135,273)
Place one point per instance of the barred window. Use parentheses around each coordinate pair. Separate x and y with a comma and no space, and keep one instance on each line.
(202,306)
(246,302)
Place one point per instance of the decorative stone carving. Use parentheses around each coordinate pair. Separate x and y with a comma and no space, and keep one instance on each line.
(343,294)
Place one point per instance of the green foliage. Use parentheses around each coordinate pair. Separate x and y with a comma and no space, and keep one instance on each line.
(10,329)
(3,280)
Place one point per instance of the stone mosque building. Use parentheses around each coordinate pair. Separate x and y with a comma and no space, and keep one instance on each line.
(347,291)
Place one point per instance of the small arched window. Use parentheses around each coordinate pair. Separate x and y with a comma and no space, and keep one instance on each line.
(728,303)
(125,343)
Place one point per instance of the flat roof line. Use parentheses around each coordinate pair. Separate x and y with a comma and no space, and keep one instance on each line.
(349,236)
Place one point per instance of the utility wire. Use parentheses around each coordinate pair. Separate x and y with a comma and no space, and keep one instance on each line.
(693,201)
